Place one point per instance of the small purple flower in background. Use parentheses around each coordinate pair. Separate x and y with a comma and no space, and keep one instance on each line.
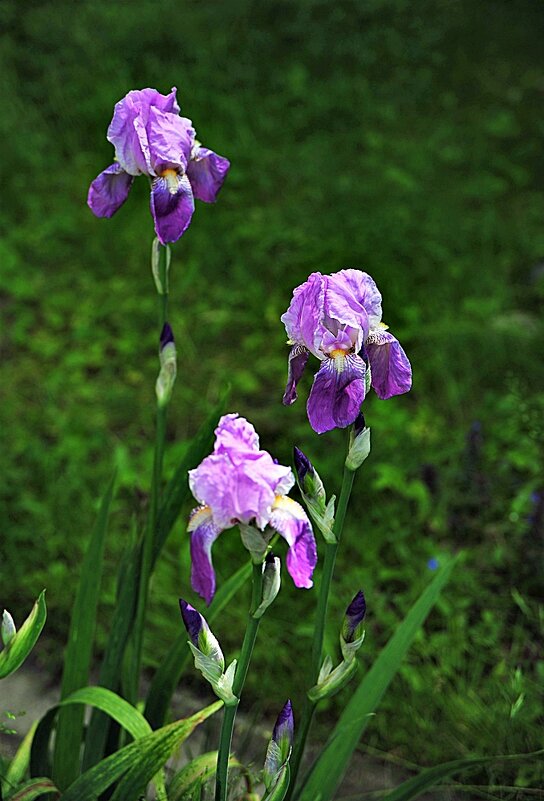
(433,564)
(355,614)
(150,138)
(239,483)
(338,318)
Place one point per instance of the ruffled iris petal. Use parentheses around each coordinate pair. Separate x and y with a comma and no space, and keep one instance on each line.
(235,433)
(170,139)
(391,371)
(297,362)
(204,532)
(109,190)
(289,519)
(127,130)
(336,397)
(172,211)
(303,319)
(207,172)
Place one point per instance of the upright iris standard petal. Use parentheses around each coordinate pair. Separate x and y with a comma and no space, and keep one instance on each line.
(203,535)
(207,172)
(390,369)
(297,362)
(172,206)
(169,139)
(303,319)
(338,318)
(109,190)
(234,433)
(336,395)
(290,520)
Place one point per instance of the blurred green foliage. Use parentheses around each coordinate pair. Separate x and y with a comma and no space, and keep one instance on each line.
(404,139)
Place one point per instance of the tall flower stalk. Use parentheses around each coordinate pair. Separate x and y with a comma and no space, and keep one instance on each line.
(331,550)
(160,259)
(229,714)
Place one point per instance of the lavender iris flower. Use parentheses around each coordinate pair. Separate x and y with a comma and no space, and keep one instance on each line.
(150,138)
(240,483)
(338,318)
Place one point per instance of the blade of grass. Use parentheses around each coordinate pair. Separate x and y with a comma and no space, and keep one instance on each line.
(429,777)
(19,765)
(330,766)
(140,761)
(77,658)
(35,788)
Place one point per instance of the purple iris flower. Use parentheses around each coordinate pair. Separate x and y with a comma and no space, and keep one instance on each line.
(338,318)
(240,483)
(150,138)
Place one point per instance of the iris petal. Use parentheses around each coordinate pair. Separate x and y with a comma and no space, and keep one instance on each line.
(207,172)
(109,190)
(336,396)
(172,211)
(203,535)
(289,519)
(390,368)
(297,362)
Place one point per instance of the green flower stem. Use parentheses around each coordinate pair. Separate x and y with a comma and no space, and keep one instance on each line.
(229,715)
(331,549)
(146,563)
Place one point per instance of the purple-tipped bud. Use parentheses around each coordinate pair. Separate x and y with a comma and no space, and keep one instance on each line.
(279,749)
(193,620)
(359,443)
(359,424)
(302,465)
(284,730)
(309,481)
(167,336)
(355,614)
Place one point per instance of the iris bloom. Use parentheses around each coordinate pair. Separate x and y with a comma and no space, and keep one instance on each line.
(150,138)
(337,318)
(240,483)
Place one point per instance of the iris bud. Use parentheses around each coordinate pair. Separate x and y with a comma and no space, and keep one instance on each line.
(158,251)
(359,443)
(308,478)
(7,628)
(355,614)
(331,680)
(209,659)
(271,583)
(276,767)
(313,492)
(168,362)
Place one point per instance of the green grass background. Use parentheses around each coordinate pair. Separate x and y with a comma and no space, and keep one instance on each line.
(400,138)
